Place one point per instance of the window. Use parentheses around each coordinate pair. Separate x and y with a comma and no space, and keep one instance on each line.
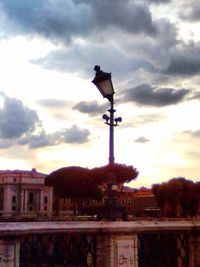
(46,199)
(45,208)
(1,198)
(30,197)
(13,199)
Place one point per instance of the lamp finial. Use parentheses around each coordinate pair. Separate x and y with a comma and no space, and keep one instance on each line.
(97,68)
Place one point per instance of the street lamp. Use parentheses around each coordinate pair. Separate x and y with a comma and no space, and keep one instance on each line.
(103,82)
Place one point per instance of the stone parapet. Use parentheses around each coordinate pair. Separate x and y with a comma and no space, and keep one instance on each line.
(9,253)
(116,243)
(117,250)
(195,250)
(103,227)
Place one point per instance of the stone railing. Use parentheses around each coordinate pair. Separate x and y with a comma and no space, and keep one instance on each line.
(100,244)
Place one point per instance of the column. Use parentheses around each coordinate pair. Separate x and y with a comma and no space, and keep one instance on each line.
(7,200)
(9,253)
(41,202)
(50,204)
(196,243)
(38,201)
(117,251)
(25,199)
(22,200)
(192,251)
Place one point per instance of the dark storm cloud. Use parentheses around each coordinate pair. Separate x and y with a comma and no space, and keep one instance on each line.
(6,143)
(190,11)
(142,140)
(196,133)
(63,19)
(73,135)
(18,124)
(146,54)
(76,135)
(83,59)
(106,28)
(41,140)
(16,119)
(193,133)
(183,65)
(159,1)
(146,95)
(195,95)
(52,103)
(54,20)
(90,108)
(184,61)
(127,15)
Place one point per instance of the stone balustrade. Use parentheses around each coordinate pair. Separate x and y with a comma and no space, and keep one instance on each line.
(102,244)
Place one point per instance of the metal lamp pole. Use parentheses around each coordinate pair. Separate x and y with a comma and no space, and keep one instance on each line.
(111,137)
(104,84)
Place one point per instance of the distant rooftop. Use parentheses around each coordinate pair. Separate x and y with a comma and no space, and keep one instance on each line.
(127,189)
(32,172)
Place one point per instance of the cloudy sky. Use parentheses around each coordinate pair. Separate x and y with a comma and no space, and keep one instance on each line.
(50,112)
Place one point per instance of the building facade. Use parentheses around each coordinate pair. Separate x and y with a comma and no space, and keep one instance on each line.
(137,202)
(145,204)
(23,193)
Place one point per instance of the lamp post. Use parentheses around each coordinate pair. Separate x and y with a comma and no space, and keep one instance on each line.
(103,82)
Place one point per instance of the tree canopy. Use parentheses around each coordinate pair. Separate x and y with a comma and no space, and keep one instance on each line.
(121,173)
(78,183)
(181,195)
(73,182)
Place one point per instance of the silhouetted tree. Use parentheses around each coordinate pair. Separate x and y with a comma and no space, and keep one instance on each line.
(120,173)
(178,197)
(79,183)
(75,183)
(159,192)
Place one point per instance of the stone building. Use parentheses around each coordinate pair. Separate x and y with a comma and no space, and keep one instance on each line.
(126,198)
(23,193)
(145,204)
(137,202)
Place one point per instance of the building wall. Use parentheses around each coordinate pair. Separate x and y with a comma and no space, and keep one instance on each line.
(136,203)
(23,193)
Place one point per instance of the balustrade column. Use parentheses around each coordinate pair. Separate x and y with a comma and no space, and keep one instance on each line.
(195,250)
(9,253)
(117,250)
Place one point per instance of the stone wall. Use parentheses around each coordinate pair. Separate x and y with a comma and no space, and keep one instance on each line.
(116,242)
(195,250)
(9,253)
(117,250)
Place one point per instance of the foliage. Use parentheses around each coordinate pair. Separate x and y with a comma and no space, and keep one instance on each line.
(121,173)
(79,183)
(73,182)
(181,196)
